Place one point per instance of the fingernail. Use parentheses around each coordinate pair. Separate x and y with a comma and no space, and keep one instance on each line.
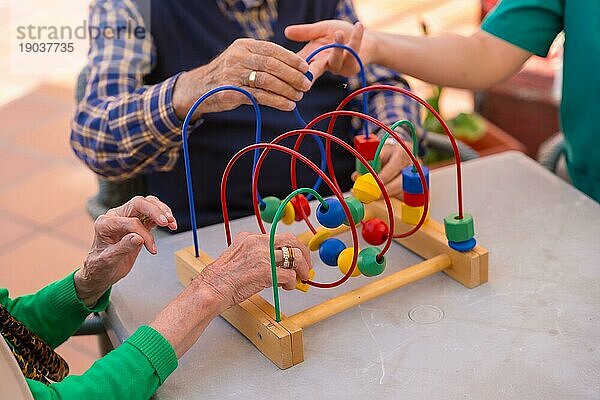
(163,220)
(154,249)
(136,240)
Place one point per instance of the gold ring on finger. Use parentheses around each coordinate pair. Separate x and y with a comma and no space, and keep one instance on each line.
(252,79)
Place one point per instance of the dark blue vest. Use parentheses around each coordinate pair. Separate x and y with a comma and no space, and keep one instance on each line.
(191,33)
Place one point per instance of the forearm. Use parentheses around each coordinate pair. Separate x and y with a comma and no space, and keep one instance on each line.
(132,371)
(184,319)
(474,62)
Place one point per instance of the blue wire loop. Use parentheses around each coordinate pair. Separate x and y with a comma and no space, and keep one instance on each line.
(258,135)
(186,151)
(302,121)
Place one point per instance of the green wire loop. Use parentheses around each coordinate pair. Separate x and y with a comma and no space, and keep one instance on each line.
(413,134)
(276,219)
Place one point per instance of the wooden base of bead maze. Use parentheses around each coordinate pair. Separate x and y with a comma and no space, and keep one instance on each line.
(282,342)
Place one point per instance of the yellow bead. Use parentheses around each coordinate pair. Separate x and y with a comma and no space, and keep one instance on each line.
(289,214)
(345,261)
(303,287)
(315,242)
(366,189)
(412,215)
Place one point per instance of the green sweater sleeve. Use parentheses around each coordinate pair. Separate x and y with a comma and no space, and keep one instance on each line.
(54,313)
(132,371)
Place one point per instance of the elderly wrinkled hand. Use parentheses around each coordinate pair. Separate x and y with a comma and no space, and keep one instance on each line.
(271,73)
(119,236)
(245,268)
(336,61)
(238,273)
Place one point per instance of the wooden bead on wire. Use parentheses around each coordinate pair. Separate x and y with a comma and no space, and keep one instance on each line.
(332,214)
(375,231)
(330,250)
(268,208)
(365,189)
(344,262)
(288,214)
(300,204)
(357,209)
(368,264)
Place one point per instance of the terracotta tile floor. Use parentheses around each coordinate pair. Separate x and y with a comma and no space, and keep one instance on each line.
(45,232)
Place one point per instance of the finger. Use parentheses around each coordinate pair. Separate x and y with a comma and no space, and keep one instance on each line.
(394,187)
(289,239)
(356,37)
(392,167)
(307,49)
(286,278)
(280,53)
(138,207)
(275,67)
(306,32)
(318,67)
(268,99)
(273,84)
(172,222)
(301,265)
(336,57)
(354,176)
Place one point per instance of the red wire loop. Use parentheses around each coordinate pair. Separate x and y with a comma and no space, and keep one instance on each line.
(417,99)
(350,149)
(330,137)
(313,166)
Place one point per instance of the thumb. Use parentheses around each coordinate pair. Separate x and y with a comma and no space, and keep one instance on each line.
(128,245)
(305,32)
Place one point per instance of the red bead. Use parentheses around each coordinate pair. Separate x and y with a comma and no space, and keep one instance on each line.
(300,204)
(414,200)
(366,147)
(375,231)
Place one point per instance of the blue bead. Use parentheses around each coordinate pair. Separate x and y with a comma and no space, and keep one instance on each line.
(463,246)
(331,216)
(309,75)
(330,250)
(411,181)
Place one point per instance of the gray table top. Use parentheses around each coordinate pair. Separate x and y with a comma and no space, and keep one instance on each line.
(531,332)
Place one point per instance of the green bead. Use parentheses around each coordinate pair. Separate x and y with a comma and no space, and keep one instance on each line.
(459,230)
(269,208)
(361,169)
(357,209)
(367,262)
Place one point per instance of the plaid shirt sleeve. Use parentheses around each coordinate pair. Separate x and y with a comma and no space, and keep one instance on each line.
(123,128)
(388,107)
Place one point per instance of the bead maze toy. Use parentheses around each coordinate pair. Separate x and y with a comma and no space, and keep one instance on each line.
(450,247)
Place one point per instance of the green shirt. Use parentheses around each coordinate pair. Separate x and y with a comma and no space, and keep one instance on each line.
(533,25)
(132,371)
